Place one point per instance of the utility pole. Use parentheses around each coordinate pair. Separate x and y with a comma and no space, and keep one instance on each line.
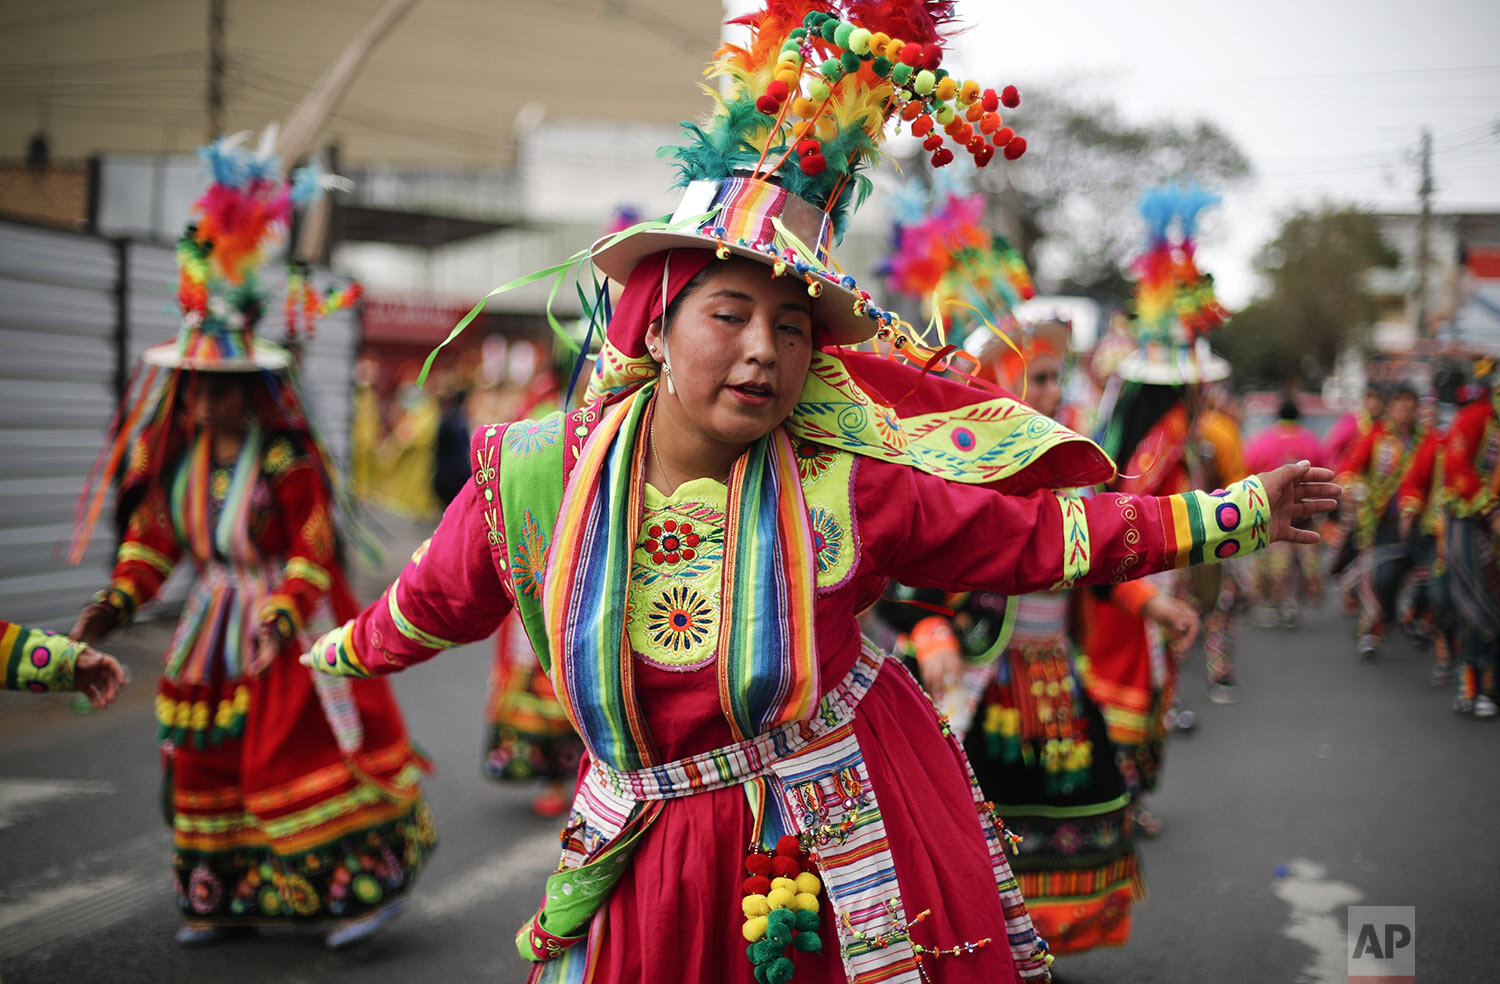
(215,69)
(1424,224)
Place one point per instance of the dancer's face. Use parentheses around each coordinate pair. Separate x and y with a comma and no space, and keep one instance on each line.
(220,401)
(739,345)
(1044,384)
(1402,411)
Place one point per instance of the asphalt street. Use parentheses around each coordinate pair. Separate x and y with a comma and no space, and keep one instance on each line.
(1331,783)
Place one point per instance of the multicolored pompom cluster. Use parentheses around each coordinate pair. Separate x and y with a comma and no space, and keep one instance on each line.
(304,308)
(809,98)
(781,909)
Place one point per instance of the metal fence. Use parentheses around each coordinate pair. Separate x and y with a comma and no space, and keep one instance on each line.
(76,311)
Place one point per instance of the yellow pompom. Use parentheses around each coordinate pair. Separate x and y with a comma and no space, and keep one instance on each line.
(805,901)
(878,41)
(808,882)
(755,905)
(893,48)
(789,76)
(780,898)
(968,92)
(786,883)
(826,130)
(947,88)
(754,929)
(804,107)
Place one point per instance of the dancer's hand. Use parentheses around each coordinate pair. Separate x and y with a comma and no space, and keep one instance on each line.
(940,670)
(1296,492)
(1177,617)
(267,647)
(94,622)
(98,676)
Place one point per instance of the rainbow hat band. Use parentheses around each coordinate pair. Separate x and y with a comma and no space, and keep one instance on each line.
(760,220)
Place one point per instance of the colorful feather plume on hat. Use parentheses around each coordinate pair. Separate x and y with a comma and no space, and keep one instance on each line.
(807,100)
(1175,302)
(963,274)
(247,206)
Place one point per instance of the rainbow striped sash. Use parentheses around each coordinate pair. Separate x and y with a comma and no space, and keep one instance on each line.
(767,666)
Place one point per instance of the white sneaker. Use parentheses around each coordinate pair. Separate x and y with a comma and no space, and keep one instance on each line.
(1484,707)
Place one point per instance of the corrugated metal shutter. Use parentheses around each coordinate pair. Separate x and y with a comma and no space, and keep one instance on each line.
(57,394)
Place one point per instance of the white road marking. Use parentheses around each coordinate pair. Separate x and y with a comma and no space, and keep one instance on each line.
(21,798)
(525,864)
(1317,918)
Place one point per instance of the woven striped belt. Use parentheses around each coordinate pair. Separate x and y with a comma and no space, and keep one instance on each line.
(821,789)
(735,764)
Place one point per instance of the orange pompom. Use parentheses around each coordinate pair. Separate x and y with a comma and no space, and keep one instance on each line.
(911,111)
(989,123)
(974,112)
(922,125)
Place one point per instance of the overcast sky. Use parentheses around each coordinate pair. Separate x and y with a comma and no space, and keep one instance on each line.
(1328,97)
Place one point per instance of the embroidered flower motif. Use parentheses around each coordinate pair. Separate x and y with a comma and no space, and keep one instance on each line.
(279,457)
(530,436)
(827,538)
(317,532)
(679,619)
(529,557)
(813,459)
(889,427)
(670,542)
(300,895)
(219,484)
(204,891)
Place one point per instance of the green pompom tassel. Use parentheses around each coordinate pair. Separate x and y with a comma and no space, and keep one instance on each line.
(850,61)
(807,943)
(901,74)
(806,922)
(779,971)
(881,67)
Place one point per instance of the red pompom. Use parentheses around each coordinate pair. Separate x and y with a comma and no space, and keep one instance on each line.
(1010,97)
(1015,148)
(785,867)
(932,57)
(983,155)
(990,100)
(789,846)
(965,134)
(776,89)
(942,156)
(768,104)
(808,147)
(759,864)
(814,164)
(922,125)
(975,142)
(911,110)
(933,142)
(911,54)
(952,125)
(757,885)
(1003,136)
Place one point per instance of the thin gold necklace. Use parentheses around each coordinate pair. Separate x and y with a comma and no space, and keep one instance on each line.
(657,455)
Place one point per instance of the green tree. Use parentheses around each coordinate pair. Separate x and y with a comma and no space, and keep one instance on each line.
(1071,200)
(1318,303)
